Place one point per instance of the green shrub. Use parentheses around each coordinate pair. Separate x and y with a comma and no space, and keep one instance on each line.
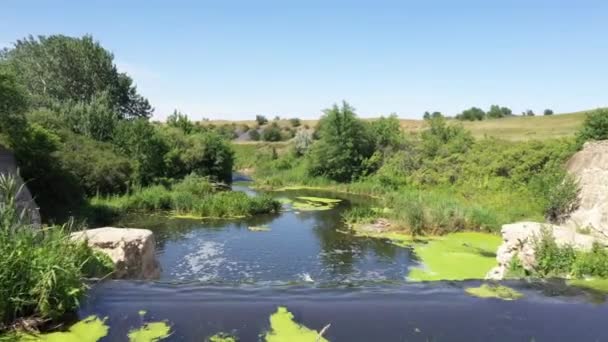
(595,126)
(562,199)
(591,264)
(551,259)
(271,132)
(41,271)
(254,134)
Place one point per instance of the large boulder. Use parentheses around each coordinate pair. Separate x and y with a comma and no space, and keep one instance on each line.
(131,250)
(519,241)
(590,167)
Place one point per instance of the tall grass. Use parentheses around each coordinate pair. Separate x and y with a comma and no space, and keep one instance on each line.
(42,271)
(194,196)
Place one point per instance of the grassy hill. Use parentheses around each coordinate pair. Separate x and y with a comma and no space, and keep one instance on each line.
(513,128)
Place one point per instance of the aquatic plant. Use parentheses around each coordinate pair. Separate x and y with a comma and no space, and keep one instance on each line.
(457,256)
(284,328)
(494,291)
(90,329)
(150,332)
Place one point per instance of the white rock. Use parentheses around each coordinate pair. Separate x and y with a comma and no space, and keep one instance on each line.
(131,250)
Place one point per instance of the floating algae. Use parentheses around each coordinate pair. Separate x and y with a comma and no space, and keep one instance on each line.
(284,328)
(494,291)
(457,256)
(304,203)
(90,329)
(263,228)
(595,284)
(222,337)
(150,332)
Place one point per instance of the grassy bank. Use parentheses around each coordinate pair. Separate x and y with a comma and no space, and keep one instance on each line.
(42,272)
(193,196)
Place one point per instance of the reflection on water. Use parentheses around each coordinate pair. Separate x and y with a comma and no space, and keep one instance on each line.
(301,246)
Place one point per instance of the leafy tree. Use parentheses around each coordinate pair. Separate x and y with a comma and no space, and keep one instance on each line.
(386,131)
(13,104)
(528,112)
(344,145)
(472,114)
(271,133)
(497,112)
(428,115)
(261,120)
(595,126)
(254,134)
(95,119)
(295,122)
(181,121)
(64,68)
(302,142)
(139,140)
(548,112)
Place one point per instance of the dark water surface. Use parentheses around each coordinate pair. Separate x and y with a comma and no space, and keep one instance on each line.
(220,277)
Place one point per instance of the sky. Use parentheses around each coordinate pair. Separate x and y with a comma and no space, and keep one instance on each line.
(235,59)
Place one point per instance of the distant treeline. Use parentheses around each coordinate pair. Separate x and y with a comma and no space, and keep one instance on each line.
(478,114)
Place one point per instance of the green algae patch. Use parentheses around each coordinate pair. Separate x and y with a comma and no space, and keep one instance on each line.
(595,284)
(263,228)
(284,328)
(90,329)
(150,332)
(319,199)
(456,256)
(395,237)
(222,337)
(494,291)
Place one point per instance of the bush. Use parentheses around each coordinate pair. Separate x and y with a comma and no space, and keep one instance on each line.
(563,199)
(254,135)
(343,147)
(595,127)
(295,122)
(261,120)
(42,271)
(548,112)
(271,133)
(472,114)
(551,259)
(302,142)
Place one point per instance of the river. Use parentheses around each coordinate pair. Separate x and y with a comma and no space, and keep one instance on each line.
(220,276)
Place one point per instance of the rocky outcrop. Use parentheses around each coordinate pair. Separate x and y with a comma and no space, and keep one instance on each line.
(25,202)
(590,167)
(131,250)
(519,241)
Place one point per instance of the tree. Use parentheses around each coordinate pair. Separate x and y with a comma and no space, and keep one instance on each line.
(139,140)
(302,142)
(181,121)
(254,134)
(548,112)
(271,133)
(386,132)
(343,147)
(497,112)
(426,116)
(595,126)
(13,104)
(472,114)
(528,112)
(261,119)
(295,122)
(61,68)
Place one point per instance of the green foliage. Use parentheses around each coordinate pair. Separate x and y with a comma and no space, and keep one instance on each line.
(194,195)
(386,132)
(181,121)
(595,127)
(472,114)
(42,271)
(295,122)
(139,140)
(548,112)
(428,115)
(254,134)
(497,112)
(261,120)
(562,199)
(553,260)
(61,68)
(271,132)
(13,103)
(344,145)
(302,142)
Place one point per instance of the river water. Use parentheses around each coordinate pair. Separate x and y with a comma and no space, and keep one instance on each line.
(219,276)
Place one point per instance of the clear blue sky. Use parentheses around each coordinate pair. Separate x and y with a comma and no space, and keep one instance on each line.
(234,59)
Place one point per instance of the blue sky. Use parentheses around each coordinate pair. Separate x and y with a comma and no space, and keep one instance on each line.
(234,59)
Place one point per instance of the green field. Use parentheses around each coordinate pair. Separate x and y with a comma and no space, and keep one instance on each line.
(513,128)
